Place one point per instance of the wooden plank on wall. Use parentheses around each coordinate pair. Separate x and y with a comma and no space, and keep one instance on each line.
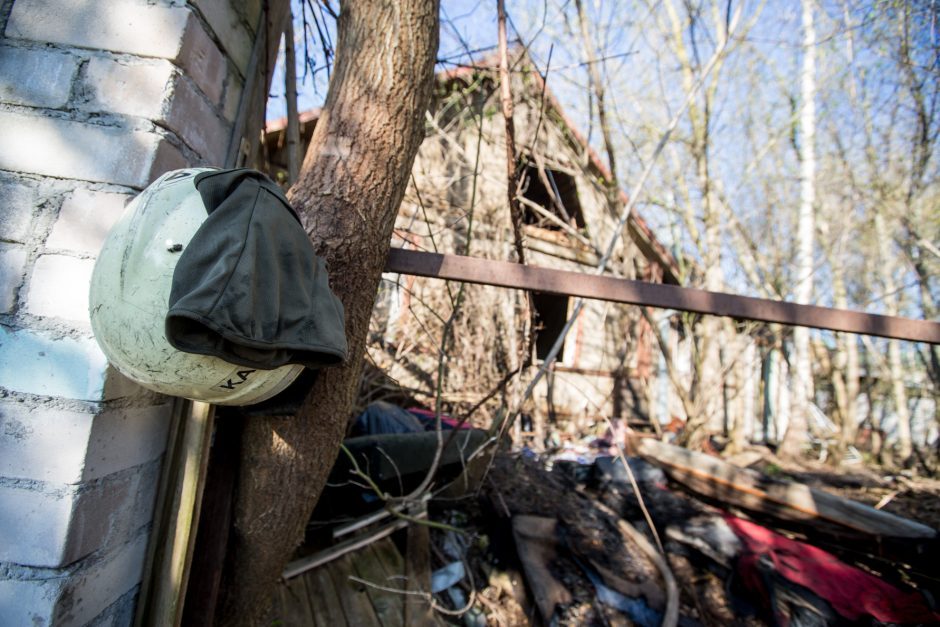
(174,533)
(514,275)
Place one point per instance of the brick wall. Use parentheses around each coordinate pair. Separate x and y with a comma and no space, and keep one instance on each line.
(96,100)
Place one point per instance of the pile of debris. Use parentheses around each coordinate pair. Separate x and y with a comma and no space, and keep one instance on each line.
(518,539)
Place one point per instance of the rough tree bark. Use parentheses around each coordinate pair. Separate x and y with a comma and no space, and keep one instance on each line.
(350,186)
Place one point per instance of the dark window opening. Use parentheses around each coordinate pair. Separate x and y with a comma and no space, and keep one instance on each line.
(551,313)
(563,187)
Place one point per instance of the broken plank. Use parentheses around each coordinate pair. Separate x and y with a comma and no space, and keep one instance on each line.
(536,540)
(514,275)
(787,500)
(327,555)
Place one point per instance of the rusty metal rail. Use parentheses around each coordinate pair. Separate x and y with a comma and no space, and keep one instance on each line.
(513,275)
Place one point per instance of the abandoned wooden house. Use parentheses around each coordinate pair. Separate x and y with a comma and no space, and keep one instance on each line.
(457,203)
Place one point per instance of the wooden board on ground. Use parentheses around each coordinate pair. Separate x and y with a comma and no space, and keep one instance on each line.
(324,596)
(417,564)
(787,500)
(536,538)
(324,602)
(388,606)
(294,605)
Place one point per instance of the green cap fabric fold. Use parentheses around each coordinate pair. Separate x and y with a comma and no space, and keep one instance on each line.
(248,288)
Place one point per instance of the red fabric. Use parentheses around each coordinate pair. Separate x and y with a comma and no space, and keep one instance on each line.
(851,592)
(430,415)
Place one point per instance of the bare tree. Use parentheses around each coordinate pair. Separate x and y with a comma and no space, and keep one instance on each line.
(796,435)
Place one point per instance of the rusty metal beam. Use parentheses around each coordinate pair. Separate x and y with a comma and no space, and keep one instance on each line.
(513,275)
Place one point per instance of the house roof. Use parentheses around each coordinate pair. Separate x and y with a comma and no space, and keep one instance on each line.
(639,229)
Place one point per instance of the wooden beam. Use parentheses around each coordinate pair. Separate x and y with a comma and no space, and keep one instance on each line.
(177,518)
(514,275)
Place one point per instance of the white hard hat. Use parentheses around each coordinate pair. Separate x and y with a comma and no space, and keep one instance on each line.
(130,290)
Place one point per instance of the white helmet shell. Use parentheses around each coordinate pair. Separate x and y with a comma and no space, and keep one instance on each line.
(130,290)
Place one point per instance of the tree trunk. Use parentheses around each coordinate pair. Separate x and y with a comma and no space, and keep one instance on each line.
(350,186)
(796,436)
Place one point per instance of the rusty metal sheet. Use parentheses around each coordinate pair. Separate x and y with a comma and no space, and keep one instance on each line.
(514,275)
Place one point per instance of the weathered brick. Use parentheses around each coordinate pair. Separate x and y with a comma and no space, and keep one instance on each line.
(58,287)
(133,26)
(35,362)
(233,96)
(29,433)
(17,202)
(226,23)
(66,149)
(87,447)
(120,613)
(76,596)
(85,219)
(91,591)
(34,525)
(12,267)
(197,123)
(54,525)
(203,61)
(123,438)
(168,158)
(30,601)
(116,385)
(250,12)
(39,78)
(110,512)
(139,88)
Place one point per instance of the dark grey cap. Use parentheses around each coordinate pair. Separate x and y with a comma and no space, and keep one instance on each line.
(248,288)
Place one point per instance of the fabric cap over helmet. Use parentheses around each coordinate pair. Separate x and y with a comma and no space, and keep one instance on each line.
(134,275)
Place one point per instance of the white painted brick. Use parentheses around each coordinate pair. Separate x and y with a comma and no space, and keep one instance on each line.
(85,219)
(34,525)
(134,26)
(12,267)
(203,61)
(138,88)
(227,25)
(58,287)
(68,149)
(35,362)
(39,78)
(54,525)
(197,123)
(17,201)
(93,591)
(76,596)
(28,434)
(110,513)
(30,601)
(123,438)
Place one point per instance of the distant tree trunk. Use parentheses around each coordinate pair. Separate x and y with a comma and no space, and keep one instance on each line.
(290,95)
(351,184)
(894,370)
(796,436)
